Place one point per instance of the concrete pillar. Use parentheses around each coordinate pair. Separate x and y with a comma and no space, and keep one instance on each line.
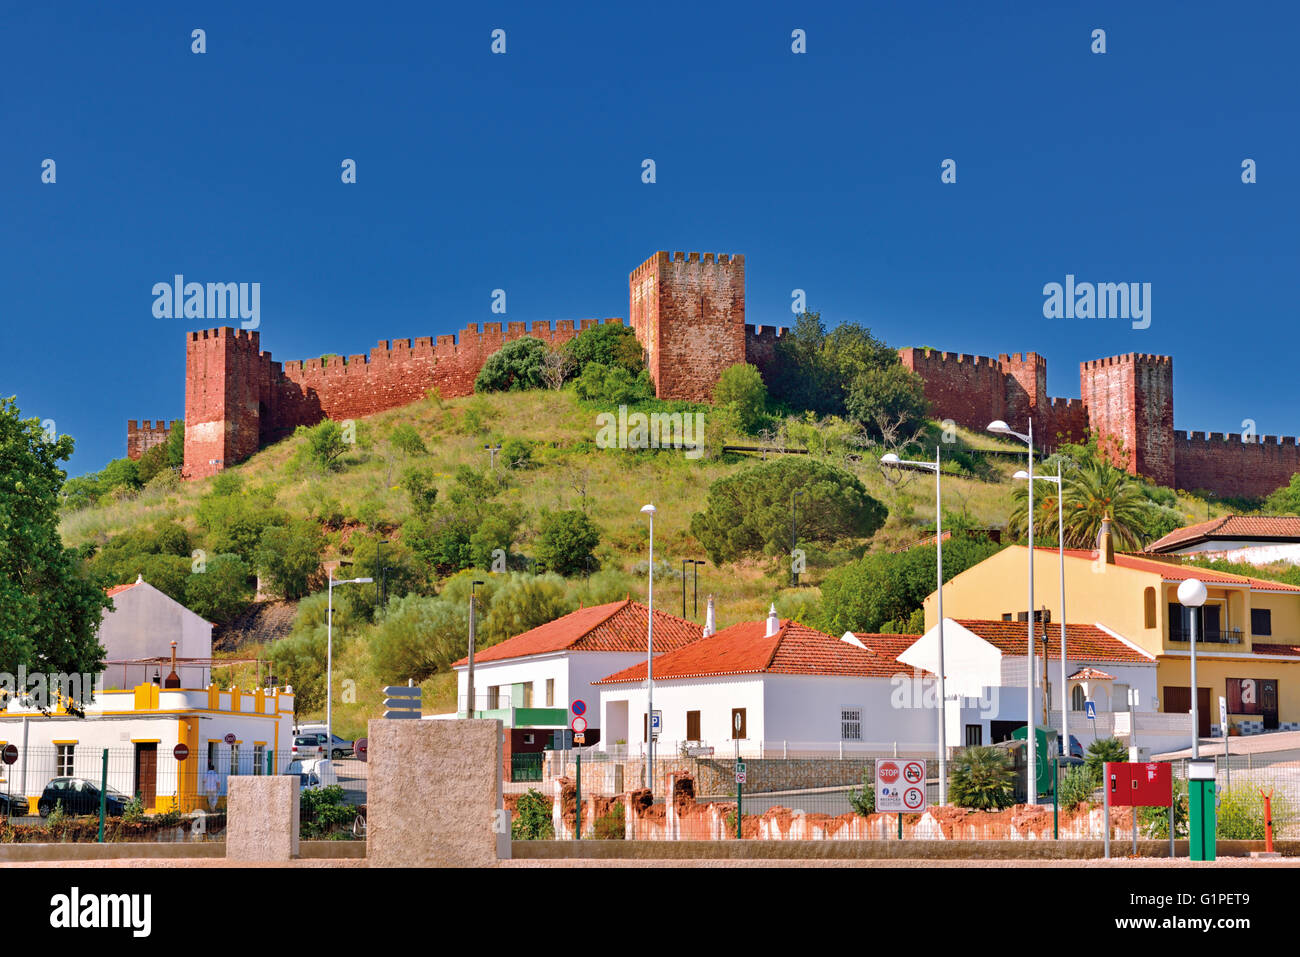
(262,818)
(434,794)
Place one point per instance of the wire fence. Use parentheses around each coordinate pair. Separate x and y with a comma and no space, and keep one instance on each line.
(58,792)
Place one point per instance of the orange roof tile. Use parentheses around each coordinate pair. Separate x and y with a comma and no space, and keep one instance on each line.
(1091,674)
(1172,570)
(1263,527)
(1082,642)
(1259,648)
(745,648)
(118,589)
(617,626)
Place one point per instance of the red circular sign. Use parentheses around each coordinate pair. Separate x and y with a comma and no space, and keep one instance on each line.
(10,753)
(361,748)
(888,772)
(579,707)
(180,752)
(913,798)
(230,738)
(913,773)
(578,725)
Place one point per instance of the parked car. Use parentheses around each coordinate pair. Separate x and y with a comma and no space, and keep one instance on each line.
(313,774)
(1076,749)
(12,805)
(307,747)
(339,747)
(79,796)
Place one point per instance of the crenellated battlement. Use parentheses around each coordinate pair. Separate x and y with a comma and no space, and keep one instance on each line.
(1129,358)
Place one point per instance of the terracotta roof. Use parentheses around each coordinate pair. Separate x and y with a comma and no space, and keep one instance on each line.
(891,645)
(1272,528)
(1091,674)
(745,648)
(1082,642)
(1174,571)
(617,626)
(1291,651)
(118,589)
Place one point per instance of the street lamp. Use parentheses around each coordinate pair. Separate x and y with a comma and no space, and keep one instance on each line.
(469,681)
(1064,748)
(998,427)
(1191,594)
(697,563)
(329,655)
(894,461)
(381,589)
(649,659)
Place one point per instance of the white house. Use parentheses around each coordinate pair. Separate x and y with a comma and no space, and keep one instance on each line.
(531,681)
(774,687)
(1252,539)
(986,681)
(137,636)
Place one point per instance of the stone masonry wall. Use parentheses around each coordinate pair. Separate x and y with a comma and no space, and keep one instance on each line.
(143,436)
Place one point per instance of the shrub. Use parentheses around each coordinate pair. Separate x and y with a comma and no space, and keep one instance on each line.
(322,812)
(610,826)
(516,453)
(325,444)
(289,556)
(741,388)
(610,344)
(532,820)
(133,810)
(1240,816)
(982,778)
(514,367)
(567,542)
(1100,752)
(613,384)
(863,799)
(220,591)
(1078,785)
(406,440)
(1154,821)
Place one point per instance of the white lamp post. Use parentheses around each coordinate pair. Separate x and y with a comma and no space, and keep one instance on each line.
(329,656)
(998,427)
(649,660)
(894,461)
(1191,594)
(1060,537)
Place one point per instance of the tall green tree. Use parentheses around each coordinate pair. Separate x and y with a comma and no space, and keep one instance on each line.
(49,609)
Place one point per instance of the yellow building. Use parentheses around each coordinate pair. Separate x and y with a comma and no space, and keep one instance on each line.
(1248,638)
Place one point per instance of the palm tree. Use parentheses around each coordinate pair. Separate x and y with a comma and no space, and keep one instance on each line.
(1093,491)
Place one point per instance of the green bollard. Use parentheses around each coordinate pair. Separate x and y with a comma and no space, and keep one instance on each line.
(1201,811)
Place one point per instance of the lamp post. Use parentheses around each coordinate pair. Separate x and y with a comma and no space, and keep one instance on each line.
(1064,748)
(695,589)
(1191,594)
(794,536)
(649,659)
(469,671)
(697,563)
(894,461)
(329,654)
(381,588)
(998,427)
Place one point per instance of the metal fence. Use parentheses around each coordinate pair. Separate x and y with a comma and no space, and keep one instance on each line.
(56,793)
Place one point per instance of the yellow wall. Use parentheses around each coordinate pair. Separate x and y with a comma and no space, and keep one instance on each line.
(1213,673)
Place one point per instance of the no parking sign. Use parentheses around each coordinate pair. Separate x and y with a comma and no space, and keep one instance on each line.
(900,786)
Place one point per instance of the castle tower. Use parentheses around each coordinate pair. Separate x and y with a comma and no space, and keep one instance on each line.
(1130,402)
(227,390)
(688,312)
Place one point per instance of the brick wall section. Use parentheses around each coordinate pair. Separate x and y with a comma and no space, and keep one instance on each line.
(143,436)
(688,311)
(1131,398)
(228,381)
(1229,466)
(760,348)
(970,390)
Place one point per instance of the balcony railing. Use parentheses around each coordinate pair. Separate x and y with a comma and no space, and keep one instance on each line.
(1221,636)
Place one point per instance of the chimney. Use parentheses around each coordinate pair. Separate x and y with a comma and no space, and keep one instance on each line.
(1105,544)
(710,623)
(773,623)
(173,679)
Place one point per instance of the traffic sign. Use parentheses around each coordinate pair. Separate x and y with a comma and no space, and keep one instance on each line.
(402,701)
(579,738)
(579,707)
(1223,715)
(230,737)
(361,748)
(10,754)
(1091,708)
(656,722)
(578,725)
(740,767)
(740,777)
(900,786)
(180,752)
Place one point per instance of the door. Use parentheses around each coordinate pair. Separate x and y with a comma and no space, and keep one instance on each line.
(146,773)
(1268,703)
(692,726)
(1179,701)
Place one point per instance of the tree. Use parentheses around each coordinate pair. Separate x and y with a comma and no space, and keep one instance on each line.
(220,591)
(1093,491)
(406,440)
(288,556)
(49,610)
(609,343)
(235,519)
(1286,500)
(886,397)
(982,778)
(749,513)
(566,543)
(299,659)
(514,367)
(325,444)
(557,365)
(1100,752)
(613,384)
(522,602)
(740,388)
(176,445)
(417,638)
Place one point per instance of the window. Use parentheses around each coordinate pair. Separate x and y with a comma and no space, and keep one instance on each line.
(234,759)
(693,726)
(1261,621)
(550,692)
(1006,616)
(1149,607)
(1077,700)
(259,759)
(64,760)
(974,735)
(1040,615)
(528,739)
(212,755)
(850,724)
(743,732)
(528,694)
(494,697)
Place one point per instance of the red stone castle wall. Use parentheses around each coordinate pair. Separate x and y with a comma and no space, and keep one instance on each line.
(1226,465)
(1130,398)
(141,437)
(970,390)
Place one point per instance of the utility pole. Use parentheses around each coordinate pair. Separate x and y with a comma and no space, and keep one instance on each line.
(469,706)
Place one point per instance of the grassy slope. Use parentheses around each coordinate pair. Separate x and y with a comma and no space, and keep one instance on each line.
(617,484)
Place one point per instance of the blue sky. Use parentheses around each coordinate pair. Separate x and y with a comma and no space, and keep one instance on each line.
(523,171)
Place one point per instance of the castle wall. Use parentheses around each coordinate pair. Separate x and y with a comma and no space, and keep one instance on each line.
(1226,465)
(1130,398)
(227,383)
(688,311)
(760,348)
(143,436)
(970,390)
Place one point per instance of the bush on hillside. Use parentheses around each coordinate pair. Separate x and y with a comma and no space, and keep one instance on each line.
(220,591)
(287,556)
(514,367)
(614,385)
(610,344)
(566,542)
(740,388)
(234,519)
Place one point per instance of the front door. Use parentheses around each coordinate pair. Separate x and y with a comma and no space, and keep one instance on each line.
(1179,701)
(1268,703)
(146,773)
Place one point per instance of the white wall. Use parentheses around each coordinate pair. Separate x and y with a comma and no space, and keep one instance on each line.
(573,672)
(712,697)
(143,624)
(1253,553)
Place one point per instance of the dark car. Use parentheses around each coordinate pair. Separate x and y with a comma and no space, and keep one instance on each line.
(12,805)
(79,796)
(1076,749)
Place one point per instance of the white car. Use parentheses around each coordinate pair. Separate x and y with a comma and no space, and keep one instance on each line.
(307,747)
(313,774)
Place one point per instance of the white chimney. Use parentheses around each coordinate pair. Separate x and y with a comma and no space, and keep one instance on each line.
(773,623)
(710,623)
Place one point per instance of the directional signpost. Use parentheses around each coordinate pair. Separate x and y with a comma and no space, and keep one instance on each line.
(402,701)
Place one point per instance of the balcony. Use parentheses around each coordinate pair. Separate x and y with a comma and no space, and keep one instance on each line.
(1217,636)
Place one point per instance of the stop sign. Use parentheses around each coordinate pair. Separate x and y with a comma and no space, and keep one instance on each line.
(180,752)
(360,748)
